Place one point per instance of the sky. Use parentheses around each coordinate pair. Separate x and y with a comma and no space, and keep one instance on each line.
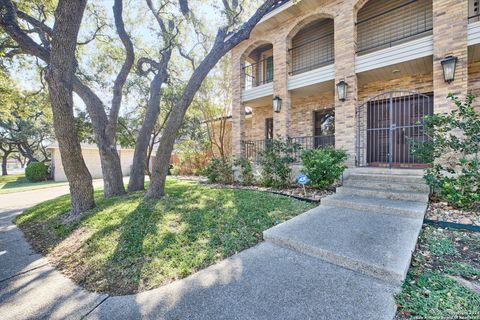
(140,23)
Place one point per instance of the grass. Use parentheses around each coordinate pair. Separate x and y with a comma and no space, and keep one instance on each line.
(18,183)
(130,244)
(433,288)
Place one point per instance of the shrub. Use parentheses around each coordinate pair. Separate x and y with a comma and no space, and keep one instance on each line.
(323,166)
(191,158)
(275,161)
(219,169)
(246,171)
(453,150)
(36,171)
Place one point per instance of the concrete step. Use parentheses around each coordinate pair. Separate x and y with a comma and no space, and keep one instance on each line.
(369,243)
(386,171)
(385,206)
(384,194)
(387,185)
(415,179)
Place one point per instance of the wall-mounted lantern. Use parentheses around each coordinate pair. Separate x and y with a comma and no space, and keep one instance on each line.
(449,64)
(342,90)
(277,104)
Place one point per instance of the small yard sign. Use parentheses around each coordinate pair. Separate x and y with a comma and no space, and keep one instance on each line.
(302,180)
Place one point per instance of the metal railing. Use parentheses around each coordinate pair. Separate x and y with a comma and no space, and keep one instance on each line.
(313,54)
(257,73)
(253,148)
(474,18)
(387,126)
(390,27)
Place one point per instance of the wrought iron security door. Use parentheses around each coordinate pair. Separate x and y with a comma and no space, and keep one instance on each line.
(386,125)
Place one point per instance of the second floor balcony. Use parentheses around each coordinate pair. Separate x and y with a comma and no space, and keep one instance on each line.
(386,23)
(258,73)
(257,68)
(312,47)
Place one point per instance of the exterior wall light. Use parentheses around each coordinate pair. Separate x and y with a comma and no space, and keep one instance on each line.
(277,104)
(449,64)
(342,90)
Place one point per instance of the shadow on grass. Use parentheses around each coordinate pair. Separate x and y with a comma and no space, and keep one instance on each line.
(131,244)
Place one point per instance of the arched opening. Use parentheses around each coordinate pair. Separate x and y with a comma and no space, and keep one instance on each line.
(258,66)
(385,23)
(313,46)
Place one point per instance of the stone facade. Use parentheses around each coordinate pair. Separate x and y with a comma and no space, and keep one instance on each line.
(449,34)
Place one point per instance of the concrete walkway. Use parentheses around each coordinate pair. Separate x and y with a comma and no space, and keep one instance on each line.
(330,263)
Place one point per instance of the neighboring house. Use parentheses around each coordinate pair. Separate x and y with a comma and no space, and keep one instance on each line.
(358,74)
(91,156)
(13,164)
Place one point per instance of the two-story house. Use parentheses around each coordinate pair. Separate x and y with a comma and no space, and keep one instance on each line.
(359,74)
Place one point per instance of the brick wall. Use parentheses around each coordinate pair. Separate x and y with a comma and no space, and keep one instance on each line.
(450,21)
(449,18)
(422,83)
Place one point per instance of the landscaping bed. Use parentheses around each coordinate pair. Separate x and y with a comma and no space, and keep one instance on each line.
(439,210)
(130,244)
(309,194)
(443,280)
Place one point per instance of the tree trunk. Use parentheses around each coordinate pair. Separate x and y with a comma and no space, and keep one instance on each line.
(137,175)
(4,164)
(109,159)
(221,46)
(104,129)
(59,78)
(174,122)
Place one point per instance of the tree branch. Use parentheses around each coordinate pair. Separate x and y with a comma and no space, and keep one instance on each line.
(124,71)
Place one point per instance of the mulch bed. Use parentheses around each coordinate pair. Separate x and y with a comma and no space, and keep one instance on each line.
(310,194)
(439,210)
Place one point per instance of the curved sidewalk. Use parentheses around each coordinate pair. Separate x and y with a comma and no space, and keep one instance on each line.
(264,282)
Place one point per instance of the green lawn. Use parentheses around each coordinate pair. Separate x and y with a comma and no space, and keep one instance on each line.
(433,290)
(18,183)
(129,244)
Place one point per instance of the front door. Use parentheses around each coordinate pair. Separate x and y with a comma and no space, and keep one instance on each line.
(393,120)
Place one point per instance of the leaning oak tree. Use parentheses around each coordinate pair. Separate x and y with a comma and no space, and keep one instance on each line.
(159,69)
(104,125)
(226,39)
(60,58)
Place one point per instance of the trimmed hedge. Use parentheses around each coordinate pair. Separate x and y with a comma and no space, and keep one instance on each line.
(36,171)
(323,166)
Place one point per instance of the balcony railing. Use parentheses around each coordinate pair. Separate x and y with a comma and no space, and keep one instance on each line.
(253,148)
(314,54)
(258,73)
(390,27)
(474,18)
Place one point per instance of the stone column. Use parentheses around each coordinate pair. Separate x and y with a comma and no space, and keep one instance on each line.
(281,120)
(450,25)
(238,108)
(345,70)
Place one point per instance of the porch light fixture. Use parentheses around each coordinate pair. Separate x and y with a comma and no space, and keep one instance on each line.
(342,90)
(277,104)
(449,64)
